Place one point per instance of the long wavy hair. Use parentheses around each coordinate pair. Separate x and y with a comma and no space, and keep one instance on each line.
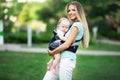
(81,17)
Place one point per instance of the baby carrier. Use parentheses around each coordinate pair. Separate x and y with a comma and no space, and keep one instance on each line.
(55,42)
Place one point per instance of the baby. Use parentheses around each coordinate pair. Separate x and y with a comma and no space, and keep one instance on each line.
(62,28)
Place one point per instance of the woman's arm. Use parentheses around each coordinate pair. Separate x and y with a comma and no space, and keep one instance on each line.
(67,43)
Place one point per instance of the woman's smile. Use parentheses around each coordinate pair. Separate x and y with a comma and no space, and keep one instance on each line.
(72,12)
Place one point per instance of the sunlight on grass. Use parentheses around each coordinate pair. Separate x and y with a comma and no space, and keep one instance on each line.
(32,66)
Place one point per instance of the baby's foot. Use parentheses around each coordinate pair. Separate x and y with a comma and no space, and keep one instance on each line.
(48,66)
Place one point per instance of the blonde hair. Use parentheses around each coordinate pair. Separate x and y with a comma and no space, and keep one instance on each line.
(81,17)
(66,22)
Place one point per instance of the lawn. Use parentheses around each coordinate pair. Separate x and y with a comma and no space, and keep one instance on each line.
(102,46)
(95,46)
(32,66)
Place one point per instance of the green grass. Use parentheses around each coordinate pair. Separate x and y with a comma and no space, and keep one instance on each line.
(102,46)
(22,66)
(95,46)
(32,66)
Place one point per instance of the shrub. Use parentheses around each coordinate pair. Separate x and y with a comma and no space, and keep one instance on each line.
(22,37)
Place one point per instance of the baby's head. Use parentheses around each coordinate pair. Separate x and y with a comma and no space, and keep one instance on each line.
(63,24)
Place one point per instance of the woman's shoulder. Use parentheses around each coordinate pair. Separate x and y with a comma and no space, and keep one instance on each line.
(77,24)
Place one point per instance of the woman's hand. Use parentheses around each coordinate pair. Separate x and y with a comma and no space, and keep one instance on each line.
(50,52)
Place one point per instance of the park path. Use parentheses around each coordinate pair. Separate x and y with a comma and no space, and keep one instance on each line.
(19,47)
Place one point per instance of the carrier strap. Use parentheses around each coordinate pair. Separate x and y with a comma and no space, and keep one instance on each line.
(72,49)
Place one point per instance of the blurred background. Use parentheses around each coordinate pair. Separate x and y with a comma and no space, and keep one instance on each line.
(41,16)
(26,27)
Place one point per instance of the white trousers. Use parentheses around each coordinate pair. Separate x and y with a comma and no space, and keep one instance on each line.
(64,70)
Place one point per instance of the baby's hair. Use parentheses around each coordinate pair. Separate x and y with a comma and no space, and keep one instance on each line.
(60,20)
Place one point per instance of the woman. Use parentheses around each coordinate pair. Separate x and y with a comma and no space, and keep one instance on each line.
(78,31)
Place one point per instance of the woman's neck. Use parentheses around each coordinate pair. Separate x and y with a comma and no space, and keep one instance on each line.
(75,20)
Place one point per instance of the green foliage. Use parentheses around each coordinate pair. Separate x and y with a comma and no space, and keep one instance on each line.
(46,14)
(22,37)
(15,38)
(8,27)
(52,10)
(29,11)
(1,13)
(41,38)
(107,31)
(24,16)
(97,15)
(113,35)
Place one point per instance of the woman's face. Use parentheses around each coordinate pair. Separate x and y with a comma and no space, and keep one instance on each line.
(72,12)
